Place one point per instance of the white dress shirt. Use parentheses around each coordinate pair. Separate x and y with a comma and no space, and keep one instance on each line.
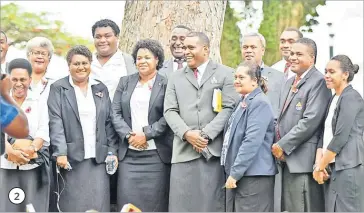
(33,107)
(87,112)
(328,125)
(201,70)
(280,65)
(139,108)
(109,73)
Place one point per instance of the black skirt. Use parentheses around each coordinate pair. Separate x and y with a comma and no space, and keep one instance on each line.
(143,181)
(87,187)
(31,182)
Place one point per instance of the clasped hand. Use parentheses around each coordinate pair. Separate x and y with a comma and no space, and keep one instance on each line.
(138,140)
(277,151)
(194,138)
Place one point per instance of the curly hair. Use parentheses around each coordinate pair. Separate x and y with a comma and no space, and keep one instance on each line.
(153,46)
(78,50)
(106,23)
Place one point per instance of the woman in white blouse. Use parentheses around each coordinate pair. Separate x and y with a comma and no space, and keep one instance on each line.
(340,154)
(26,161)
(81,135)
(145,147)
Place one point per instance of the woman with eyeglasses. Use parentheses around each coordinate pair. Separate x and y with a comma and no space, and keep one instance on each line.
(39,52)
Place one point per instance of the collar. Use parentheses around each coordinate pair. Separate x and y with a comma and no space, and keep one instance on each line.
(117,55)
(31,96)
(91,82)
(150,83)
(202,67)
(305,73)
(176,60)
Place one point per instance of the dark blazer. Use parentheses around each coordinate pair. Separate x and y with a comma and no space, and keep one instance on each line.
(298,123)
(275,84)
(347,130)
(65,128)
(251,138)
(157,129)
(167,68)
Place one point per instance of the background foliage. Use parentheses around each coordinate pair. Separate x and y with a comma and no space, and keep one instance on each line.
(21,26)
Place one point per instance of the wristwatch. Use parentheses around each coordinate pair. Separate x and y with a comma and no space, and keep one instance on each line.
(128,136)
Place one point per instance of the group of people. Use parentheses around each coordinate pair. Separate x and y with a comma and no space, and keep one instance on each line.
(280,139)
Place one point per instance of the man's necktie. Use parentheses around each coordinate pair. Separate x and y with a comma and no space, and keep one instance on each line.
(286,68)
(195,73)
(180,63)
(293,90)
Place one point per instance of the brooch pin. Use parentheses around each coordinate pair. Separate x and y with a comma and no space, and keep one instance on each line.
(150,87)
(44,81)
(28,110)
(100,94)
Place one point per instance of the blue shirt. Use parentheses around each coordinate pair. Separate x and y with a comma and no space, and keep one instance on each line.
(7,113)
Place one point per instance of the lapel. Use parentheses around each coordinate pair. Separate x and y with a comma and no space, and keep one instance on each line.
(98,99)
(190,77)
(71,97)
(242,110)
(237,104)
(169,66)
(155,90)
(291,95)
(337,108)
(130,86)
(210,70)
(286,92)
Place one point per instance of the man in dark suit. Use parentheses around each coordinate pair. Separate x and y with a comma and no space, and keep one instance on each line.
(178,60)
(196,180)
(303,103)
(253,49)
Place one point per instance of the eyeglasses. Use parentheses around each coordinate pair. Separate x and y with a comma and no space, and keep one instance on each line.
(39,53)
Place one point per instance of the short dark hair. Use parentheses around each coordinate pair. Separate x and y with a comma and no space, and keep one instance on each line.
(78,50)
(20,63)
(106,23)
(254,71)
(183,27)
(153,46)
(347,66)
(201,36)
(311,44)
(294,29)
(6,38)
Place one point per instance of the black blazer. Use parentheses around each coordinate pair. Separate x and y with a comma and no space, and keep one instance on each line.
(347,130)
(65,128)
(158,128)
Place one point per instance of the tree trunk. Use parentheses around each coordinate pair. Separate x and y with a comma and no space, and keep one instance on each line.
(155,20)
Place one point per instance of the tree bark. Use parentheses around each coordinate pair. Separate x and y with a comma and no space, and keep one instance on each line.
(155,19)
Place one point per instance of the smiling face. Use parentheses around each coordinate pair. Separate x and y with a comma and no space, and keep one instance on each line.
(287,39)
(146,62)
(105,41)
(252,49)
(80,68)
(20,80)
(39,59)
(176,42)
(243,82)
(334,75)
(301,58)
(196,53)
(3,46)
